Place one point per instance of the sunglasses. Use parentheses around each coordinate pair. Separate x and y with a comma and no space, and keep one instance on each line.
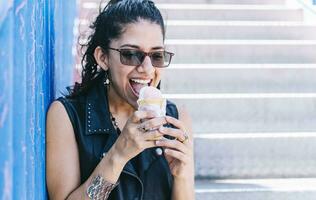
(134,57)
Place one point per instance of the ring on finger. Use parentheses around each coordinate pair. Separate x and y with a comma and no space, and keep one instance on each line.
(186,137)
(142,129)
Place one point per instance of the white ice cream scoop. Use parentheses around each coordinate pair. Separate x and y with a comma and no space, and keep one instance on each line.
(150,99)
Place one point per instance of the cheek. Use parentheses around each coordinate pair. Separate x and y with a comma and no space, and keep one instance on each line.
(119,77)
(121,80)
(158,75)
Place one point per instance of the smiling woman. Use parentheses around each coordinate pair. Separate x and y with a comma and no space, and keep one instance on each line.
(99,145)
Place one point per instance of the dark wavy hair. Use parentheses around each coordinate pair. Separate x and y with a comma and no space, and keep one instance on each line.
(109,25)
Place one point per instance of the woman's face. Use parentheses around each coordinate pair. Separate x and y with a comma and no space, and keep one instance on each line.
(128,80)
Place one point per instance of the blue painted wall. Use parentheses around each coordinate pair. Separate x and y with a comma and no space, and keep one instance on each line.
(36,40)
(64,14)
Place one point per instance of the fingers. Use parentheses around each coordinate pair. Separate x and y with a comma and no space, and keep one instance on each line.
(153,135)
(178,155)
(177,123)
(140,115)
(153,123)
(177,133)
(173,144)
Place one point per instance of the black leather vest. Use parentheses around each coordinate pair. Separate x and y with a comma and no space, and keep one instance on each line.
(145,177)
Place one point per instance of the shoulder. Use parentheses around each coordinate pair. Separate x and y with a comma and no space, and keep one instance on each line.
(59,127)
(56,114)
(56,108)
(64,111)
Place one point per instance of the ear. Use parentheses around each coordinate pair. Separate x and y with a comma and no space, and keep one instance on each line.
(101,58)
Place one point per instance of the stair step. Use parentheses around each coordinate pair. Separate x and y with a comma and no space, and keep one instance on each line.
(250,2)
(229,12)
(256,189)
(189,29)
(195,11)
(239,80)
(243,51)
(95,3)
(235,23)
(255,155)
(232,30)
(249,112)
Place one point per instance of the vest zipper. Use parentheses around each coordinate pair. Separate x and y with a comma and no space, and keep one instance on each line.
(140,181)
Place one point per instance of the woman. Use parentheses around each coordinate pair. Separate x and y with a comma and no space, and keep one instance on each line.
(98,145)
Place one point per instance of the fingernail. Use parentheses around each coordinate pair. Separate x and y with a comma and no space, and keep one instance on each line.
(157,142)
(161,128)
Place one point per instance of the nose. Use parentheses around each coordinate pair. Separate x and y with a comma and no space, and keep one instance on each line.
(146,66)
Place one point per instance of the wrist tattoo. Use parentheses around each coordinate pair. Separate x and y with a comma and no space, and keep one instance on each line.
(99,188)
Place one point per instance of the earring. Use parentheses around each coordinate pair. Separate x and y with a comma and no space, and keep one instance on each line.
(106,79)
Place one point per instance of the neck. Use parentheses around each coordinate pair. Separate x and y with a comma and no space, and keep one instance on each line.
(117,105)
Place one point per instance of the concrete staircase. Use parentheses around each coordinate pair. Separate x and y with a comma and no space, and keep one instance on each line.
(245,70)
(246,73)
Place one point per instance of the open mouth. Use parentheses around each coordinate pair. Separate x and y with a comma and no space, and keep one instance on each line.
(137,84)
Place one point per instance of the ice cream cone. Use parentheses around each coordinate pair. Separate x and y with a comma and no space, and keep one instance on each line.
(150,99)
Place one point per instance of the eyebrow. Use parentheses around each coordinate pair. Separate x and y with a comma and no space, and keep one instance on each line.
(137,47)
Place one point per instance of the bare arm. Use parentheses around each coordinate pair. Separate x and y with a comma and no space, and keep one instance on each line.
(63,170)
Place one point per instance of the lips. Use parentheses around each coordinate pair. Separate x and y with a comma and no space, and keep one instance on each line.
(137,84)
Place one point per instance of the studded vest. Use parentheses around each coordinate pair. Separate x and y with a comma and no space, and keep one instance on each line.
(145,177)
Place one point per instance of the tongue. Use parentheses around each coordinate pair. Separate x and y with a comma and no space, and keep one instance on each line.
(137,86)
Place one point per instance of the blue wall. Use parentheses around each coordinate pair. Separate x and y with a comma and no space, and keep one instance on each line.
(35,51)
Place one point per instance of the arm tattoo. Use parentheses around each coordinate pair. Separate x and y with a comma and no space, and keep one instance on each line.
(100,189)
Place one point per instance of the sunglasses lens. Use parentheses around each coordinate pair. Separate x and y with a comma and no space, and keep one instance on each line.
(131,57)
(136,57)
(158,58)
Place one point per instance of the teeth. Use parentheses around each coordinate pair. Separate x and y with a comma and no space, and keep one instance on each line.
(141,81)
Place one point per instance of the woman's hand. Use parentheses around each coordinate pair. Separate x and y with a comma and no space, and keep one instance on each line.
(178,152)
(138,134)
